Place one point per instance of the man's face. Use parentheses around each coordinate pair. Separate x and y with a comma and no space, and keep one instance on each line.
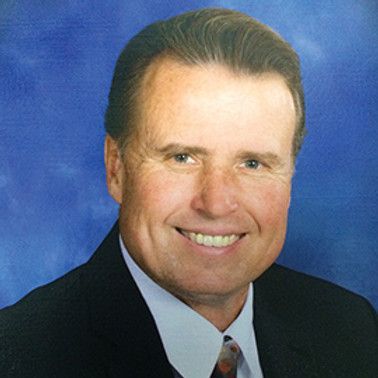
(204,186)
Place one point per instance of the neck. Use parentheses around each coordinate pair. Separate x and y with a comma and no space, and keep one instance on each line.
(221,312)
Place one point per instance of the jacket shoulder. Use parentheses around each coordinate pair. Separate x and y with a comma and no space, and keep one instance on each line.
(340,326)
(309,297)
(49,321)
(42,300)
(305,290)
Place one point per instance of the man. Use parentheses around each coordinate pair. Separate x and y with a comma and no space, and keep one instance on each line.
(205,119)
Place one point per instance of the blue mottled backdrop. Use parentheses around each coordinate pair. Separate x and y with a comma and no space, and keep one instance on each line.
(56,62)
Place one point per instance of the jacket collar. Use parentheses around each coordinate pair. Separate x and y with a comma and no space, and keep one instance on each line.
(120,317)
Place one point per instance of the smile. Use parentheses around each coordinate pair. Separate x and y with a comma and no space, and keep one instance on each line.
(217,241)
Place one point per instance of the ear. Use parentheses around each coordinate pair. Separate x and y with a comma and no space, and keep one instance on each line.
(114,168)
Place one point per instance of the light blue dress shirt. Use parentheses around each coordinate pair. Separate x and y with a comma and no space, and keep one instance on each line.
(191,342)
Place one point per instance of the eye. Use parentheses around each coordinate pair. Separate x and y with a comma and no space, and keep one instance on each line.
(252,164)
(183,159)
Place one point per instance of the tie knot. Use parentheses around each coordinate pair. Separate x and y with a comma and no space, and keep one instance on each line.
(228,359)
(231,347)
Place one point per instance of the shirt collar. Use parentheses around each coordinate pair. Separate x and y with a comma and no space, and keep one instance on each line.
(191,342)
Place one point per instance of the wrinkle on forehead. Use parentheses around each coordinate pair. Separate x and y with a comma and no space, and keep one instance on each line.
(167,72)
(174,94)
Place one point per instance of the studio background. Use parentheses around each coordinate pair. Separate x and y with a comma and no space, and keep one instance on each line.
(56,64)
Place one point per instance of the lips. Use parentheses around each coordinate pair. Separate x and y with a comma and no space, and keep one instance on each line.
(217,241)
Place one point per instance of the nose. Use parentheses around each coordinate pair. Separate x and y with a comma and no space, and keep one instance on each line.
(217,196)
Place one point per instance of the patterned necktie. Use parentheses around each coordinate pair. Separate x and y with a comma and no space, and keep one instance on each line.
(226,366)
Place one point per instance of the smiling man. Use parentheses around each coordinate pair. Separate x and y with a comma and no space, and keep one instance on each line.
(204,123)
(204,187)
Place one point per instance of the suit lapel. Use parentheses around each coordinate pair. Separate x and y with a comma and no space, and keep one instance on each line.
(121,318)
(284,349)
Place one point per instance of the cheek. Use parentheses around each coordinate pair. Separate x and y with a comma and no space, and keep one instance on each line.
(159,193)
(271,204)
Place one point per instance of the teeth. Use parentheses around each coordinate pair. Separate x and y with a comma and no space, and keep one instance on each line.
(211,240)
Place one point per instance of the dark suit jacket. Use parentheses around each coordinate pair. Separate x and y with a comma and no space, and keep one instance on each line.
(93,322)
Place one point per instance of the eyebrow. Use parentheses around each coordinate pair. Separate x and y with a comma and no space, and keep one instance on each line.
(176,148)
(267,157)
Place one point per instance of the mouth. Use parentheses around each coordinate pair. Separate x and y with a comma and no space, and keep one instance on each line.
(217,241)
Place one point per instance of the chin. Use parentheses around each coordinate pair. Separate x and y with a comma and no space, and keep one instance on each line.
(203,290)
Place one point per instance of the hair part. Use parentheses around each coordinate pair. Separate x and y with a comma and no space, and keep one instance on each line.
(211,35)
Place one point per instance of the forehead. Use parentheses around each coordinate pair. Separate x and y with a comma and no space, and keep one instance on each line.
(176,98)
(166,73)
(166,77)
